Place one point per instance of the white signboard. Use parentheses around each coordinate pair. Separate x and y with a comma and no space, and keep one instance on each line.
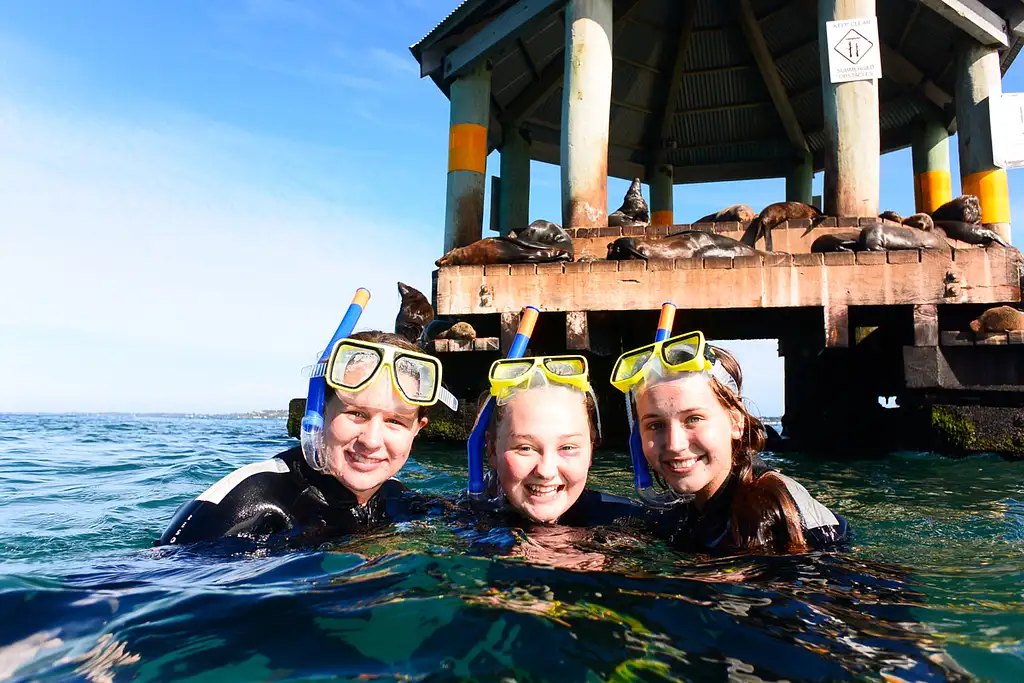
(854,51)
(1007,114)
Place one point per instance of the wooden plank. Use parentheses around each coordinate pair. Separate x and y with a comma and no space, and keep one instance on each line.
(992,339)
(956,338)
(837,326)
(770,74)
(1015,337)
(577,332)
(974,19)
(926,325)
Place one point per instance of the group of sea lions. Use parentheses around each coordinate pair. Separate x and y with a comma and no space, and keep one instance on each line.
(416,321)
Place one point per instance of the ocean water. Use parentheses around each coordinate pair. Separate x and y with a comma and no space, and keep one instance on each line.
(933,588)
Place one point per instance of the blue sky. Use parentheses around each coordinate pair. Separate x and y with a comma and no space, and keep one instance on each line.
(190,192)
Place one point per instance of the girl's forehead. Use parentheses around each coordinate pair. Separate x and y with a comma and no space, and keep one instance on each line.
(693,389)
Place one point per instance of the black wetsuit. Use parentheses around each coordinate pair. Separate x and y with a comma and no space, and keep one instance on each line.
(283,494)
(708,529)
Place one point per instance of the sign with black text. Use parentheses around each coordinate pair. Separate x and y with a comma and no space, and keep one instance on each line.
(854,51)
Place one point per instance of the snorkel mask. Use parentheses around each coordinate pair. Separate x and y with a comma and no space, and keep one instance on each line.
(666,359)
(508,377)
(351,365)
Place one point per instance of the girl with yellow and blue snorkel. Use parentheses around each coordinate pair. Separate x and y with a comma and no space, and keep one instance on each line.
(536,432)
(691,427)
(367,399)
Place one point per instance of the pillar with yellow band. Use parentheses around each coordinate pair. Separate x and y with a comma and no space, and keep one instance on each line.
(978,75)
(467,157)
(930,152)
(659,178)
(799,180)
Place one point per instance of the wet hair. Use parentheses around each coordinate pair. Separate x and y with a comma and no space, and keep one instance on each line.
(764,515)
(378,337)
(499,412)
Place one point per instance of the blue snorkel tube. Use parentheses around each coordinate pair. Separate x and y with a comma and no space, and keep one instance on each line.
(477,439)
(642,479)
(311,434)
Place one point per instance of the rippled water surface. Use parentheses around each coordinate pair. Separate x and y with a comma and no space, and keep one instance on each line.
(932,590)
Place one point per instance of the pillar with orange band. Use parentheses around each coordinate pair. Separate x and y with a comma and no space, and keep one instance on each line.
(659,179)
(799,180)
(930,151)
(467,157)
(977,83)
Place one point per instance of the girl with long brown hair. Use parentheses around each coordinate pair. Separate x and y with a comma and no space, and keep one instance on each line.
(703,443)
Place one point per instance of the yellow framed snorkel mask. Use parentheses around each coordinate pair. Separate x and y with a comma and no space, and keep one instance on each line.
(507,375)
(688,352)
(416,377)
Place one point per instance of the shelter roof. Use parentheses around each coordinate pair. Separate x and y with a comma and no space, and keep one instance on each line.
(719,89)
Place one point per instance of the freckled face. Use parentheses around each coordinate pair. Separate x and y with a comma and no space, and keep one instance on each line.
(543,451)
(687,434)
(369,435)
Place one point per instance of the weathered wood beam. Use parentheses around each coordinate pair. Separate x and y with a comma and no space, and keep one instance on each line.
(658,128)
(500,32)
(974,19)
(902,70)
(765,63)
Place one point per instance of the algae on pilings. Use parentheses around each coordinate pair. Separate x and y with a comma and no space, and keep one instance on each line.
(953,429)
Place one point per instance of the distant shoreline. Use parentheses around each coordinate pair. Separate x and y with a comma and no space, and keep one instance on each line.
(250,415)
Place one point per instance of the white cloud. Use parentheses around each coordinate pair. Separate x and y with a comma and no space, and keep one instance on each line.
(164,266)
(403,64)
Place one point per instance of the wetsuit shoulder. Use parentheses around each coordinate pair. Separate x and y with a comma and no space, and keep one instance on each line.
(252,500)
(595,508)
(822,528)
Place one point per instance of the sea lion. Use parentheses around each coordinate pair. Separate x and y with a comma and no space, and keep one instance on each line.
(737,213)
(460,330)
(774,214)
(414,314)
(891,216)
(633,211)
(998,319)
(836,241)
(888,236)
(970,233)
(685,244)
(542,234)
(966,208)
(491,250)
(921,221)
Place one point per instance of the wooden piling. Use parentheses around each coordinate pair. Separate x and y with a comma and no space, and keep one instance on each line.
(467,157)
(586,108)
(799,180)
(930,150)
(514,202)
(977,83)
(852,157)
(660,181)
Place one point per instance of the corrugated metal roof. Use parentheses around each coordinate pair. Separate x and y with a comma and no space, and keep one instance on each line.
(724,114)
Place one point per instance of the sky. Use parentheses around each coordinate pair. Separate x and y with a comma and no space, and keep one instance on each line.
(190,193)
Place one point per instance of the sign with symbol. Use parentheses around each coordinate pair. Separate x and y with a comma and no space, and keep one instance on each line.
(1007,115)
(854,53)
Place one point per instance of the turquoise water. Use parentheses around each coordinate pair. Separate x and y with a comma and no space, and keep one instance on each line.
(932,589)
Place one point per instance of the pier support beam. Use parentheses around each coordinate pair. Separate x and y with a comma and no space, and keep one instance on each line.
(852,147)
(930,150)
(514,202)
(467,157)
(660,181)
(799,180)
(586,108)
(977,83)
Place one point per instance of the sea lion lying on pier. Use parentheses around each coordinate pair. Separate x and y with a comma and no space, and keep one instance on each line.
(542,234)
(836,241)
(998,319)
(970,233)
(414,314)
(685,244)
(888,236)
(491,250)
(460,330)
(775,214)
(965,208)
(891,216)
(633,212)
(737,213)
(921,221)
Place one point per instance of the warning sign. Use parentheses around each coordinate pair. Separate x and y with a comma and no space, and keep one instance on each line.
(854,53)
(1007,117)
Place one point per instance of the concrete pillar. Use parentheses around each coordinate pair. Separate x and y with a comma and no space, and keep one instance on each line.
(799,180)
(660,181)
(514,202)
(930,148)
(467,157)
(852,146)
(586,107)
(978,80)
